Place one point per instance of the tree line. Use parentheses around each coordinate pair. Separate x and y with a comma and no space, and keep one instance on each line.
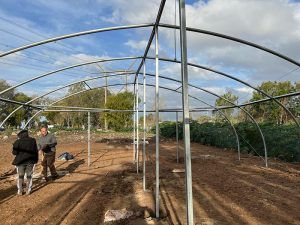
(94,98)
(268,111)
(7,108)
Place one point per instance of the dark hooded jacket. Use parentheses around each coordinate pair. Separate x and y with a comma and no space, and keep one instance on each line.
(25,149)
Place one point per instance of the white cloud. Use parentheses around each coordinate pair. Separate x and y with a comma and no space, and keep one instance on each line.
(133,12)
(275,24)
(245,90)
(139,45)
(217,90)
(251,21)
(77,58)
(173,70)
(13,58)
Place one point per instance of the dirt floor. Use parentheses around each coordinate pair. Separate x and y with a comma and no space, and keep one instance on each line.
(225,190)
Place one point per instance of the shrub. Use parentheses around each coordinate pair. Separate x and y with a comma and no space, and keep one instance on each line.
(282,141)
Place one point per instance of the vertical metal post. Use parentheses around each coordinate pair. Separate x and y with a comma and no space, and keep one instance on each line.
(134,149)
(186,116)
(137,126)
(144,125)
(89,138)
(175,30)
(265,147)
(177,144)
(105,100)
(156,125)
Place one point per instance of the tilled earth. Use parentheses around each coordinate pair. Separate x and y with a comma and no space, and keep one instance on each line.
(225,190)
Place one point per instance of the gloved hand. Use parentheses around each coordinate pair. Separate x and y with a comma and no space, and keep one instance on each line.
(46,148)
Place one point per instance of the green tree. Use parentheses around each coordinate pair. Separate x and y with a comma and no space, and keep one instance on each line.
(270,111)
(51,117)
(6,108)
(204,119)
(95,99)
(120,101)
(88,98)
(294,102)
(150,121)
(24,113)
(222,102)
(74,119)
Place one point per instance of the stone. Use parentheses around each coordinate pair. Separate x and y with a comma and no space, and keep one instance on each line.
(178,170)
(5,138)
(116,215)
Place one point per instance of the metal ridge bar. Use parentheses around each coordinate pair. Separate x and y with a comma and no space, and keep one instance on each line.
(160,11)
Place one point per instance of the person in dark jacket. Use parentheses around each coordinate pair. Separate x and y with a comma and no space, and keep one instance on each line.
(26,156)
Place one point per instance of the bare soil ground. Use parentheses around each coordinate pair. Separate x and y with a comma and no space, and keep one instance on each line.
(225,190)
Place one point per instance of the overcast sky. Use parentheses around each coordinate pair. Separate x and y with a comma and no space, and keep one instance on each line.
(271,23)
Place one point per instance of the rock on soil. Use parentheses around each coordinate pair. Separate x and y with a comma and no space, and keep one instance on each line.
(116,215)
(5,138)
(178,170)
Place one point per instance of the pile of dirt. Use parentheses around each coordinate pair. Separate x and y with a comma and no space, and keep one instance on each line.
(116,140)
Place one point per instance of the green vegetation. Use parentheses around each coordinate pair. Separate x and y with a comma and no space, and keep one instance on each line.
(270,111)
(281,135)
(282,141)
(120,120)
(7,108)
(89,99)
(226,100)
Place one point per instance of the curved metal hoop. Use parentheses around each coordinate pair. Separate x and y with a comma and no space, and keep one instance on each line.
(162,87)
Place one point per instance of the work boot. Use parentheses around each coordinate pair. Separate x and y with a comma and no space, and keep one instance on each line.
(54,177)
